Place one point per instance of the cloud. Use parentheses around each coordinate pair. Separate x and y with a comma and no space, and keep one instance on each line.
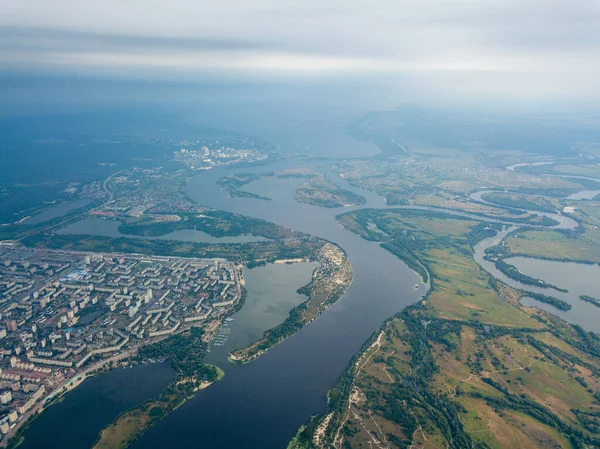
(545,46)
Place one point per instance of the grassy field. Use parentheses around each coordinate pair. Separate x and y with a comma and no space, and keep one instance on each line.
(523,201)
(321,192)
(553,245)
(462,288)
(592,170)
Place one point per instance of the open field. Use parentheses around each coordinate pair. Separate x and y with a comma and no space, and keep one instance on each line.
(553,245)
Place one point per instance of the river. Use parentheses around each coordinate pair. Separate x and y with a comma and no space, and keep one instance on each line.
(578,279)
(262,404)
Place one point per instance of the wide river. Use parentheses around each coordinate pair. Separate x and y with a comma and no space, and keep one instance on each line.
(263,403)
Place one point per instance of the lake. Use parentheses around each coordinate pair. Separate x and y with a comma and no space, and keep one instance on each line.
(271,294)
(56,211)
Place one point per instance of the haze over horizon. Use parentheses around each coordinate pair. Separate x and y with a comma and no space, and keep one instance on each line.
(507,50)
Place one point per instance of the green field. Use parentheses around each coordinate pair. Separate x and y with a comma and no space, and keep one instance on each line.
(553,245)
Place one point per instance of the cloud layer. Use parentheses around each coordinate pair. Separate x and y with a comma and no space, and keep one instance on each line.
(549,47)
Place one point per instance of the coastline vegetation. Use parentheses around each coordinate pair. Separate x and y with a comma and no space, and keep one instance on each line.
(590,299)
(553,301)
(214,222)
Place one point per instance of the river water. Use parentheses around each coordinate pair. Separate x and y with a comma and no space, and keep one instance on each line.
(56,211)
(75,422)
(262,404)
(271,294)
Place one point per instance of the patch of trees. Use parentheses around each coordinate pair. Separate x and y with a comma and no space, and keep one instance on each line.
(590,299)
(184,352)
(482,231)
(553,301)
(523,403)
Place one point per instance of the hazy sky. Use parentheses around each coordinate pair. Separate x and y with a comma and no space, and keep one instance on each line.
(519,47)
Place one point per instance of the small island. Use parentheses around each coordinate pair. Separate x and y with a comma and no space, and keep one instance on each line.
(319,191)
(553,301)
(590,299)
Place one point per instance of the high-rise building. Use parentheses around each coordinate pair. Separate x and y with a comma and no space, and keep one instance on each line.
(5,397)
(11,325)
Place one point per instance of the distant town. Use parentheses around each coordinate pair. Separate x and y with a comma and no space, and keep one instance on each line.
(67,314)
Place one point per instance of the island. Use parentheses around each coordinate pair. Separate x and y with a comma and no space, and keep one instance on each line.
(590,299)
(317,190)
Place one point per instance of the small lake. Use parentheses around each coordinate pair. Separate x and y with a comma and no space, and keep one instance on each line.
(74,423)
(110,228)
(271,295)
(584,195)
(56,211)
(579,279)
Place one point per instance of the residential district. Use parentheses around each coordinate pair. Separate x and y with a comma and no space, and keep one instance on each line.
(66,314)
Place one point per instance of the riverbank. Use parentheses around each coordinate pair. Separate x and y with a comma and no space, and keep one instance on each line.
(14,436)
